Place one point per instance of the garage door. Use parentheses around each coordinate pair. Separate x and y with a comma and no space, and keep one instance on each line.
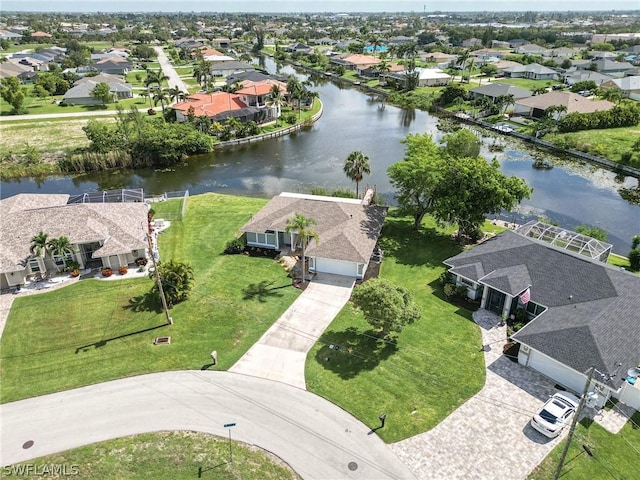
(338,267)
(560,373)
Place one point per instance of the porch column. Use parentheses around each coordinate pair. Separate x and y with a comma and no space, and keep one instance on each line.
(507,306)
(485,294)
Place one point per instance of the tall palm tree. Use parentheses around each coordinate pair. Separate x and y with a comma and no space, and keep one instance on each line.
(275,101)
(294,90)
(161,96)
(462,62)
(356,165)
(176,94)
(611,94)
(60,247)
(303,227)
(39,244)
(375,42)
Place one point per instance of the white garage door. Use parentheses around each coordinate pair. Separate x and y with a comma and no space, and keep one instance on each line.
(338,267)
(560,373)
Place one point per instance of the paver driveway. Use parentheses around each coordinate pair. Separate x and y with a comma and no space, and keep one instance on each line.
(281,352)
(489,436)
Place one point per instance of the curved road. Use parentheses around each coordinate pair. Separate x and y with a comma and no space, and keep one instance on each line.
(169,71)
(315,437)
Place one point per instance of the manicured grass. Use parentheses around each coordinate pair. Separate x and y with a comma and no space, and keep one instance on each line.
(610,143)
(526,83)
(27,47)
(421,376)
(45,106)
(94,330)
(188,70)
(175,455)
(614,456)
(619,261)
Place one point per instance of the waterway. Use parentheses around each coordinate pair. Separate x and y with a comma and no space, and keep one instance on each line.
(569,194)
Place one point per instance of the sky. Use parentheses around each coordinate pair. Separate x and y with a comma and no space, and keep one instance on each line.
(283,6)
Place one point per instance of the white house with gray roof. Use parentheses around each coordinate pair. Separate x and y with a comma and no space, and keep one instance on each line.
(347,231)
(584,313)
(102,234)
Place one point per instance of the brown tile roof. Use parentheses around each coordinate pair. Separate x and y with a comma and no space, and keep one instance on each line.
(210,104)
(358,59)
(346,231)
(121,226)
(573,102)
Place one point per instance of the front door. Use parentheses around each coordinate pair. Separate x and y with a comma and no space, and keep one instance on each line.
(495,302)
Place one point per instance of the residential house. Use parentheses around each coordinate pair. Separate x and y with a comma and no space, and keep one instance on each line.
(584,313)
(500,44)
(611,67)
(533,49)
(40,35)
(7,35)
(563,52)
(437,57)
(517,42)
(228,68)
(221,42)
(80,93)
(471,42)
(102,234)
(114,65)
(298,47)
(12,69)
(254,76)
(218,107)
(629,86)
(257,94)
(347,231)
(355,61)
(27,77)
(485,55)
(374,71)
(427,77)
(495,90)
(533,71)
(536,106)
(586,75)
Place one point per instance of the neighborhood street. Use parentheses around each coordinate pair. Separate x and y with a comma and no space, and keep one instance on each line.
(169,71)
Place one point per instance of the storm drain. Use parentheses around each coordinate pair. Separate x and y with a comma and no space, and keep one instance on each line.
(162,341)
(28,444)
(353,466)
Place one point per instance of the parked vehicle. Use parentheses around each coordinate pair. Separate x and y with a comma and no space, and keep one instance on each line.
(555,414)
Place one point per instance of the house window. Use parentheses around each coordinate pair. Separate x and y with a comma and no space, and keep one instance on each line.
(261,238)
(34,265)
(360,269)
(61,260)
(312,263)
(251,237)
(533,309)
(466,283)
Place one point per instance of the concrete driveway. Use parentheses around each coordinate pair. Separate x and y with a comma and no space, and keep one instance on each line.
(281,352)
(316,438)
(169,71)
(489,436)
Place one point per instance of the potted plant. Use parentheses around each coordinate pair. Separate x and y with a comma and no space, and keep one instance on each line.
(75,272)
(107,272)
(122,270)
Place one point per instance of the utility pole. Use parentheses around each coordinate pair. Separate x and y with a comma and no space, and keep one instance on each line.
(583,399)
(159,282)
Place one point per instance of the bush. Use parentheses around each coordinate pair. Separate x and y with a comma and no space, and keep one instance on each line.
(446,277)
(461,291)
(634,259)
(290,118)
(141,262)
(235,246)
(449,290)
(71,266)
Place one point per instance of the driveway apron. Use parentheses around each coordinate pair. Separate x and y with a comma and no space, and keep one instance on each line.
(281,352)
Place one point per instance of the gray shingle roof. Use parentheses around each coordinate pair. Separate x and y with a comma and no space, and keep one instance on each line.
(593,314)
(497,89)
(121,226)
(346,231)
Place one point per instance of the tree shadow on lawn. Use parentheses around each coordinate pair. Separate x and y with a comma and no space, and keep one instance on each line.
(147,302)
(350,352)
(262,291)
(103,342)
(425,247)
(466,307)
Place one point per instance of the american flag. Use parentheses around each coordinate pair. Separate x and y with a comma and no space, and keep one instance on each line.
(525,296)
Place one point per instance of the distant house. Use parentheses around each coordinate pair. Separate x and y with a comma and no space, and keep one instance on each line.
(536,106)
(611,67)
(472,42)
(39,35)
(27,77)
(298,48)
(584,313)
(114,65)
(11,36)
(230,67)
(347,231)
(427,77)
(355,61)
(102,234)
(495,90)
(80,93)
(533,71)
(532,49)
(629,86)
(586,75)
(563,52)
(13,69)
(437,57)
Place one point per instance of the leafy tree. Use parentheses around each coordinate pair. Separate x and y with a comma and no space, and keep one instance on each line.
(583,85)
(415,177)
(385,306)
(13,93)
(449,93)
(102,92)
(489,70)
(275,100)
(39,244)
(462,143)
(593,232)
(612,94)
(566,64)
(303,226)
(103,138)
(39,92)
(176,279)
(634,255)
(143,52)
(356,165)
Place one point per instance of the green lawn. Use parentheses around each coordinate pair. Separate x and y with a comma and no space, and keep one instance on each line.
(614,456)
(610,142)
(432,367)
(46,106)
(188,70)
(93,331)
(174,455)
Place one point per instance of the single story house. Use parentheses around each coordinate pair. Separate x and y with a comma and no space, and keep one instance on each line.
(532,49)
(629,86)
(298,48)
(495,90)
(427,77)
(537,105)
(583,313)
(347,231)
(355,61)
(534,71)
(613,68)
(585,75)
(217,106)
(102,234)
(230,67)
(80,93)
(113,65)
(437,57)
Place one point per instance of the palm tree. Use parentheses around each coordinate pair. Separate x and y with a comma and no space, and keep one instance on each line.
(462,62)
(275,100)
(161,96)
(39,244)
(176,94)
(294,89)
(612,94)
(375,42)
(60,247)
(302,226)
(356,165)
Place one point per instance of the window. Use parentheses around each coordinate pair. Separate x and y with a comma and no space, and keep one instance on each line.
(60,260)
(533,309)
(34,265)
(467,283)
(360,268)
(251,237)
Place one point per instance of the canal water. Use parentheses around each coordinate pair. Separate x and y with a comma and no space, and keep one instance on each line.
(568,194)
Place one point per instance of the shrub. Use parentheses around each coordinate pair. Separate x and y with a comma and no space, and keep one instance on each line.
(107,272)
(141,262)
(122,270)
(446,277)
(461,291)
(449,290)
(235,246)
(71,266)
(290,118)
(634,259)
